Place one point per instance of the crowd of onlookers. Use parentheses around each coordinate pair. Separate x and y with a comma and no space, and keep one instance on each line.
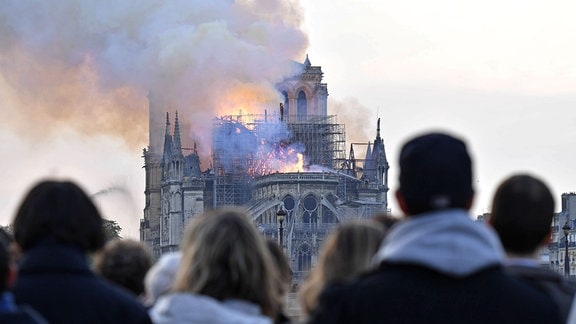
(434,265)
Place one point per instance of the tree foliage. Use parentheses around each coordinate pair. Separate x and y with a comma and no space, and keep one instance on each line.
(112,229)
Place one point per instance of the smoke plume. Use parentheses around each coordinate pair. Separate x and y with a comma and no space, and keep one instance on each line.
(76,77)
(91,64)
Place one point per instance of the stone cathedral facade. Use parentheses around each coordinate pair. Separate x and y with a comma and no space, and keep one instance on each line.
(332,186)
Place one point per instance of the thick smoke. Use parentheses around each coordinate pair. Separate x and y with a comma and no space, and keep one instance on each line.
(91,64)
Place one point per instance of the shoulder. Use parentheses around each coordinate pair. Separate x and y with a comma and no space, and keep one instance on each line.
(193,308)
(23,315)
(447,298)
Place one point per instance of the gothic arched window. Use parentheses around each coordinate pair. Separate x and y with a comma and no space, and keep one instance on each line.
(304,257)
(286,105)
(310,209)
(302,109)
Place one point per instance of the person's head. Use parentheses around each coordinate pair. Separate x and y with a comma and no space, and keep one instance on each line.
(225,257)
(522,212)
(160,278)
(60,211)
(347,253)
(350,249)
(125,263)
(384,219)
(435,174)
(281,262)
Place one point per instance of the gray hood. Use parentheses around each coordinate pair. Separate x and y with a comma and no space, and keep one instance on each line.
(190,308)
(447,241)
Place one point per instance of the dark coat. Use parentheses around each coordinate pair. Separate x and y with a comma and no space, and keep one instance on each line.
(57,282)
(404,293)
(558,287)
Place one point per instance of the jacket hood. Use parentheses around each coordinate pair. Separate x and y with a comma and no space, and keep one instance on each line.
(190,308)
(447,241)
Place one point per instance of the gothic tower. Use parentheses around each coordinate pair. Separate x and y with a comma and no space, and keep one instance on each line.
(304,95)
(172,202)
(150,224)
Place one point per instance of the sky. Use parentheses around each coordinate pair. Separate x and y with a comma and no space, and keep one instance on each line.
(75,81)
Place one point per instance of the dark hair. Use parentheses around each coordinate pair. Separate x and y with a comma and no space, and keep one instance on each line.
(522,212)
(125,263)
(384,219)
(435,173)
(59,211)
(4,259)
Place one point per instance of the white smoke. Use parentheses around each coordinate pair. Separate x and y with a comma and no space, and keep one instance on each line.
(75,76)
(196,56)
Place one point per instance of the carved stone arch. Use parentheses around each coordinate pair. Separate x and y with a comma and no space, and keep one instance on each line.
(289,202)
(306,88)
(177,201)
(304,257)
(310,208)
(302,102)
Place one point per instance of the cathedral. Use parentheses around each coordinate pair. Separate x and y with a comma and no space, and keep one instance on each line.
(289,169)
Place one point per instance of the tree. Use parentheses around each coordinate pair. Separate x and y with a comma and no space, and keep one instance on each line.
(111,229)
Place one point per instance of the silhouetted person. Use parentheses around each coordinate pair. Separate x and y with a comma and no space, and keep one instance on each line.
(9,311)
(437,265)
(125,263)
(522,213)
(56,226)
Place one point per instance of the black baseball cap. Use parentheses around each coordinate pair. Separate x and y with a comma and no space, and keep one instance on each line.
(435,173)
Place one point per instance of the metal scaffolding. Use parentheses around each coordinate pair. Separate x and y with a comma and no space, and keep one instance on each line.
(245,146)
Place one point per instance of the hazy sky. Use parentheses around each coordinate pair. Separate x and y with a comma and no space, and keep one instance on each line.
(500,74)
(73,99)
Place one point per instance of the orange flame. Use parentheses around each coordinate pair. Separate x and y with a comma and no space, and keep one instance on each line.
(294,167)
(246,99)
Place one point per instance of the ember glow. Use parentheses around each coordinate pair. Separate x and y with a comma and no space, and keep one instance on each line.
(283,158)
(296,167)
(257,145)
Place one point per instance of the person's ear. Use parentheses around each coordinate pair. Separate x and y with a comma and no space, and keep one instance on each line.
(547,239)
(402,202)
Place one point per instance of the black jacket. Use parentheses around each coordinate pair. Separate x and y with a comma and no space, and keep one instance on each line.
(558,287)
(57,282)
(414,294)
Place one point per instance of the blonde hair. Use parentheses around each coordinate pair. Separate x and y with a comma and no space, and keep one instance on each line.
(347,253)
(224,256)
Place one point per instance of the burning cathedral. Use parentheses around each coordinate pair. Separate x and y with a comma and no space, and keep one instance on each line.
(288,169)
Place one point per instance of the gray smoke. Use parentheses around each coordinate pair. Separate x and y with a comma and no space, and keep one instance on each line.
(92,63)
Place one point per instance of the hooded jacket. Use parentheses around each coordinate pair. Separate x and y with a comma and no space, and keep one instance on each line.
(447,242)
(191,308)
(438,267)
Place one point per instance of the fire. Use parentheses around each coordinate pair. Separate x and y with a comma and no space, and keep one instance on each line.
(283,158)
(246,99)
(257,146)
(295,167)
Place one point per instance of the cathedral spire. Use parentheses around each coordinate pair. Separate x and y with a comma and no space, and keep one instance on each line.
(167,124)
(307,62)
(177,141)
(352,159)
(378,130)
(167,141)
